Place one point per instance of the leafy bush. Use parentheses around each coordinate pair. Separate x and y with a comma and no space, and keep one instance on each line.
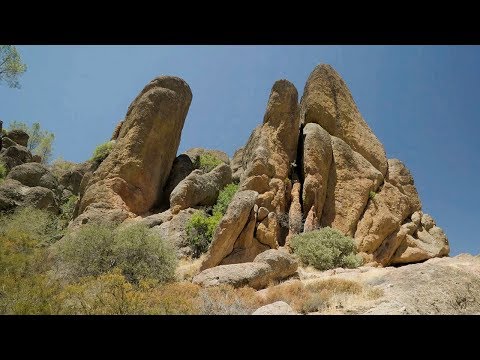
(101,151)
(96,249)
(224,198)
(200,229)
(28,225)
(60,166)
(206,162)
(68,208)
(141,254)
(371,195)
(3,171)
(326,249)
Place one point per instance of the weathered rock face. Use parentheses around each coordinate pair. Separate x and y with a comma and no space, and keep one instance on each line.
(14,194)
(131,179)
(237,165)
(350,181)
(330,171)
(327,101)
(271,265)
(271,149)
(33,174)
(15,155)
(199,188)
(230,228)
(386,211)
(317,158)
(181,168)
(19,136)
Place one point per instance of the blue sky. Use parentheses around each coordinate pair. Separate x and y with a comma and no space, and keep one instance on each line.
(422,102)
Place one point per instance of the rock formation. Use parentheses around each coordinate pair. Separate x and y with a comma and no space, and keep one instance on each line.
(131,179)
(333,172)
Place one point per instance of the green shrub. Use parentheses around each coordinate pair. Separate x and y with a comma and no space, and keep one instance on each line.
(60,166)
(96,249)
(29,223)
(224,198)
(325,249)
(142,254)
(101,151)
(371,195)
(3,171)
(206,162)
(68,208)
(200,229)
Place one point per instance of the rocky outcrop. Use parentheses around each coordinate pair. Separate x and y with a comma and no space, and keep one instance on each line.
(445,286)
(317,158)
(18,136)
(199,188)
(237,165)
(131,179)
(426,241)
(230,228)
(350,181)
(15,155)
(33,174)
(271,265)
(181,168)
(327,101)
(319,164)
(14,194)
(276,308)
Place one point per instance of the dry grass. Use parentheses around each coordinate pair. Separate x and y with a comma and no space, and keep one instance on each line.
(188,268)
(329,296)
(225,300)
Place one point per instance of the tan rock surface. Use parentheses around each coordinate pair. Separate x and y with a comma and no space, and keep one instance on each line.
(350,181)
(132,177)
(317,159)
(328,102)
(199,188)
(230,227)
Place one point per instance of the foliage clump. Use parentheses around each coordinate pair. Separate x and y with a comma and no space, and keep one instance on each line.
(201,227)
(206,162)
(102,151)
(325,249)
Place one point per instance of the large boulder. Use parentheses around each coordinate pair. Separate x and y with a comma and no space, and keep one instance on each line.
(271,265)
(199,188)
(386,210)
(34,174)
(19,136)
(276,308)
(15,155)
(317,158)
(271,149)
(132,177)
(230,228)
(350,181)
(327,101)
(428,241)
(181,168)
(173,230)
(14,194)
(237,165)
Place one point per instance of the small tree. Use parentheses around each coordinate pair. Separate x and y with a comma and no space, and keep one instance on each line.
(11,66)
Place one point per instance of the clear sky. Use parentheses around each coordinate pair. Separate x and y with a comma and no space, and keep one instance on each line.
(422,102)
